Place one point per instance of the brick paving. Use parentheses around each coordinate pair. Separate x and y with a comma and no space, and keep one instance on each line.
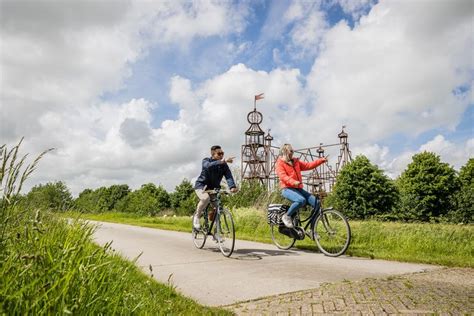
(446,291)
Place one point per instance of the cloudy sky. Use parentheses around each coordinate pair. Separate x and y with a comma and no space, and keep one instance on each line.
(137,91)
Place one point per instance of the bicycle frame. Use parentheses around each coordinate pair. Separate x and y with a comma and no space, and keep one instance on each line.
(217,204)
(215,198)
(311,220)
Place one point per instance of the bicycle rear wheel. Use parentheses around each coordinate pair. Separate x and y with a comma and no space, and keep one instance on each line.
(332,233)
(200,235)
(280,240)
(225,234)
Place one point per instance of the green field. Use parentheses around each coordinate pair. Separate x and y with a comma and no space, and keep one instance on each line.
(443,244)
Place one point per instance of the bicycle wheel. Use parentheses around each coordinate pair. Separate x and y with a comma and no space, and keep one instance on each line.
(225,234)
(332,233)
(280,240)
(200,235)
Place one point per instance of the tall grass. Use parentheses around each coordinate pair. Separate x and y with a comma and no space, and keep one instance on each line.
(13,173)
(51,266)
(443,244)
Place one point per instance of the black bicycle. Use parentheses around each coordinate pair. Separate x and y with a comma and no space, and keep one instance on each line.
(329,228)
(217,222)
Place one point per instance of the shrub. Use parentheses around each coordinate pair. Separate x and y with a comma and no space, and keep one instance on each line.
(183,199)
(427,188)
(464,198)
(250,192)
(50,196)
(102,199)
(362,190)
(148,200)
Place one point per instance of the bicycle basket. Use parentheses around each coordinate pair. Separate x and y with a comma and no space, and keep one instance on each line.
(275,212)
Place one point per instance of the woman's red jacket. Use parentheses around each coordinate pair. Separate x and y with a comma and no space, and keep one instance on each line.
(289,174)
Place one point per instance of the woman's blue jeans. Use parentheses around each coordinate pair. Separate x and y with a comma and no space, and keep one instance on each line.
(299,197)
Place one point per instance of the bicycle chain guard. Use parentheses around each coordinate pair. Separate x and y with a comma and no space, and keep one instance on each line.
(296,232)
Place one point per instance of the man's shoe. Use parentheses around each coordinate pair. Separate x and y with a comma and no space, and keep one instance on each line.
(287,220)
(216,237)
(196,223)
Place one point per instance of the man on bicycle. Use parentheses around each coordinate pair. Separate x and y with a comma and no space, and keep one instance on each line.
(289,170)
(213,170)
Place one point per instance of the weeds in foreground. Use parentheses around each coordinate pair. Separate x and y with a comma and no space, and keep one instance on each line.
(13,174)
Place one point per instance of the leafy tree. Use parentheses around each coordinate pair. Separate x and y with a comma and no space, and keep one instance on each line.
(107,198)
(52,195)
(362,190)
(250,194)
(116,193)
(102,199)
(464,198)
(86,201)
(183,199)
(427,188)
(148,200)
(187,206)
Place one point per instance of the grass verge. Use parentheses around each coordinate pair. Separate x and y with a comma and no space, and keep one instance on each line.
(49,266)
(444,244)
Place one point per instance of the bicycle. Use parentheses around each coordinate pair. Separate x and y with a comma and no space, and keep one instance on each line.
(224,231)
(329,228)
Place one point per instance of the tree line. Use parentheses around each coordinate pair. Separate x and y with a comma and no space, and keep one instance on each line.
(427,190)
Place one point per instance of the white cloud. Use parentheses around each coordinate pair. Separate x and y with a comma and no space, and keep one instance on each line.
(307,34)
(176,23)
(308,26)
(356,8)
(61,56)
(375,153)
(455,154)
(396,70)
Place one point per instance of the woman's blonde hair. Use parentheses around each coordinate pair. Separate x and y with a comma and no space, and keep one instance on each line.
(285,151)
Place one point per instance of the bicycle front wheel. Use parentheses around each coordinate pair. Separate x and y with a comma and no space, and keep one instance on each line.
(225,234)
(281,240)
(332,233)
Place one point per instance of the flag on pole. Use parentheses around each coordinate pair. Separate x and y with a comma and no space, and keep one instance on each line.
(259,96)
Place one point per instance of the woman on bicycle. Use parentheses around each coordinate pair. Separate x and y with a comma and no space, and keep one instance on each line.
(289,170)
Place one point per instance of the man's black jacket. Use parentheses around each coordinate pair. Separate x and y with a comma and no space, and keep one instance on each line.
(212,173)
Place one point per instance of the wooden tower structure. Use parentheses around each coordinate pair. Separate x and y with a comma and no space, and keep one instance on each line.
(255,159)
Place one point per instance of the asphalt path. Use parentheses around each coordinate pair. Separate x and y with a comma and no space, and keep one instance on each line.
(254,270)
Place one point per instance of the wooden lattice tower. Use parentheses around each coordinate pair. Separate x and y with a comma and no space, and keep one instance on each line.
(344,153)
(255,162)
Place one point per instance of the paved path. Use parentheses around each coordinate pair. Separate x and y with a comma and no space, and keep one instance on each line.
(435,292)
(255,270)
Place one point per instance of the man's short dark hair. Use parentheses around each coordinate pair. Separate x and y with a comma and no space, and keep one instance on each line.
(215,147)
